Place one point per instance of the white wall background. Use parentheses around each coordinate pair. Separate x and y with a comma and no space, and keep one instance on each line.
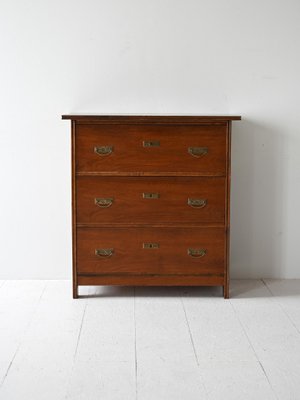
(140,56)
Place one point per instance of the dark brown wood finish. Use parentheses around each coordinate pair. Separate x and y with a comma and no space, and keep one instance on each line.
(114,220)
(170,154)
(74,207)
(150,280)
(152,119)
(227,214)
(143,251)
(124,200)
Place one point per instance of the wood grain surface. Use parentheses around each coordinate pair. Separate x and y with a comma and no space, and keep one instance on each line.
(171,256)
(134,181)
(128,205)
(130,156)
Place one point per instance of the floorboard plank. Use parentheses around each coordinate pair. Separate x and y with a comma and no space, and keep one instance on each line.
(104,364)
(167,367)
(227,362)
(273,337)
(18,304)
(149,343)
(286,293)
(43,363)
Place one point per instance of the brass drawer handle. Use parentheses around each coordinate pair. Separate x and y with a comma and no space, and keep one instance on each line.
(150,245)
(197,253)
(151,195)
(103,150)
(151,143)
(198,151)
(197,203)
(104,203)
(104,253)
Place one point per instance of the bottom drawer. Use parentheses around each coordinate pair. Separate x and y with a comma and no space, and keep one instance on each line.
(151,251)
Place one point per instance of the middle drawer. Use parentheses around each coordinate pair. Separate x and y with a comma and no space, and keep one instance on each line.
(143,200)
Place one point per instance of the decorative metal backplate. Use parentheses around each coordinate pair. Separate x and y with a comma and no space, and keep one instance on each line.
(105,253)
(103,150)
(151,143)
(198,151)
(104,202)
(197,253)
(150,245)
(197,203)
(150,195)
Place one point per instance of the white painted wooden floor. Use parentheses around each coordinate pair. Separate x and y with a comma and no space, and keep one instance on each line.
(150,343)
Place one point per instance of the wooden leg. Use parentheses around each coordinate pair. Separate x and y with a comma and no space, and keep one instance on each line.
(75,291)
(226,291)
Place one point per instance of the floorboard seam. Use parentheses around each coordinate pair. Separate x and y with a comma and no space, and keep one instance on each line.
(9,366)
(190,332)
(80,330)
(76,349)
(254,352)
(194,347)
(280,306)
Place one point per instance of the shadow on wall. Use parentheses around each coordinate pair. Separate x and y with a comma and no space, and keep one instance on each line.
(257,202)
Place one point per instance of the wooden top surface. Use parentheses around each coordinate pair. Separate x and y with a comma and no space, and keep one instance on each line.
(159,119)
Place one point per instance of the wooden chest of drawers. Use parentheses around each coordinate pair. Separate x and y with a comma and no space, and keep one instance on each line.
(150,199)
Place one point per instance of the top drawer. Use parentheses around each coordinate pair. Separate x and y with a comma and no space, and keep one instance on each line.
(151,150)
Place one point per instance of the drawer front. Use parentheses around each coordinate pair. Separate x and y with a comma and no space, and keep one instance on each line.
(156,251)
(136,149)
(147,199)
